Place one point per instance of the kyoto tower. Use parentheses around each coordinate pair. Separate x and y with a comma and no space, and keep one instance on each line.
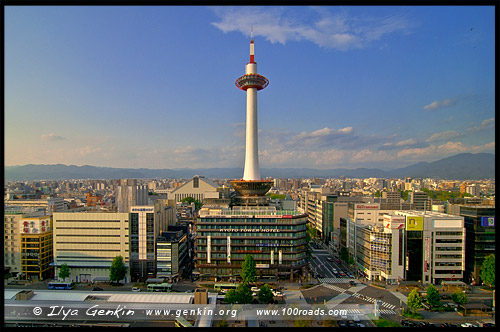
(251,188)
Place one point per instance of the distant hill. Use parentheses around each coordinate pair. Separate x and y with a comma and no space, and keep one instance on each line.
(460,167)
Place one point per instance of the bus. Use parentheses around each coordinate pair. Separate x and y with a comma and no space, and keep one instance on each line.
(61,285)
(224,287)
(165,287)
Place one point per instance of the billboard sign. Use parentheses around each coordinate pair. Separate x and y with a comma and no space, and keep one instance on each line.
(414,223)
(488,221)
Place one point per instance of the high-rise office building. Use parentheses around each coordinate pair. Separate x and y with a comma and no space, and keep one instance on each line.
(130,194)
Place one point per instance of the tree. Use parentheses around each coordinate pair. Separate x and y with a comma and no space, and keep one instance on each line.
(189,200)
(231,296)
(432,296)
(301,323)
(244,294)
(344,254)
(459,297)
(64,271)
(487,273)
(118,269)
(265,294)
(414,300)
(248,270)
(222,323)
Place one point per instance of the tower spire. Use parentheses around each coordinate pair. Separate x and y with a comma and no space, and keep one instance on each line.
(252,54)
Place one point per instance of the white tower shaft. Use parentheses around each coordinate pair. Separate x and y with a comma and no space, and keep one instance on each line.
(252,171)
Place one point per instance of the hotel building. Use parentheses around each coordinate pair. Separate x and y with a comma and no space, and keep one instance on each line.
(276,239)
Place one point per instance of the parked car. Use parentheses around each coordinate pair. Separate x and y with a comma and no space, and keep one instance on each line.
(352,283)
(342,323)
(136,289)
(467,325)
(360,325)
(488,325)
(330,259)
(96,289)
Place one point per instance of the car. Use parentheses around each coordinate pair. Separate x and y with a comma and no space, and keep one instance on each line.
(342,274)
(136,289)
(330,259)
(321,275)
(97,289)
(351,323)
(360,325)
(488,325)
(254,294)
(342,323)
(467,325)
(352,283)
(254,289)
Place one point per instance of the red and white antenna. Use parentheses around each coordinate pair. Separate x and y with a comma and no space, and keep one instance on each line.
(252,54)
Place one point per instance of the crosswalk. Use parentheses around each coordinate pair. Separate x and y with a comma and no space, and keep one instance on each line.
(335,288)
(387,312)
(373,300)
(335,280)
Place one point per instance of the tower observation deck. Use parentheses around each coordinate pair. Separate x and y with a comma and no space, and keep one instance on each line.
(251,189)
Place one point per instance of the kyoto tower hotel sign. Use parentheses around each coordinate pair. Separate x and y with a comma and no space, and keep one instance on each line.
(251,188)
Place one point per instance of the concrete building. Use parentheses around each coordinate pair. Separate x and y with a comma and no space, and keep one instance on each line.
(36,248)
(13,217)
(419,200)
(129,194)
(479,240)
(89,241)
(435,246)
(172,254)
(143,233)
(275,238)
(378,251)
(197,188)
(50,205)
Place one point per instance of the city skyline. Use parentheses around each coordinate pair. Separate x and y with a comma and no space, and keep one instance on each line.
(153,87)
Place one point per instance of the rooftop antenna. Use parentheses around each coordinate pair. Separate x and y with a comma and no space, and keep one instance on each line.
(251,32)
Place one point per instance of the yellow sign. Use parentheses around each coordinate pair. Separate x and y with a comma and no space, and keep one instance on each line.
(414,223)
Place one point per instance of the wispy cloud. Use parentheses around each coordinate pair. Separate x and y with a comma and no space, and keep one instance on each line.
(326,27)
(443,136)
(485,124)
(51,137)
(437,104)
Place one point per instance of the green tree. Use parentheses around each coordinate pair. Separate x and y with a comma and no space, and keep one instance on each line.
(189,200)
(432,296)
(344,254)
(64,272)
(231,296)
(248,270)
(414,300)
(351,260)
(221,323)
(459,297)
(301,323)
(265,294)
(377,194)
(118,269)
(487,273)
(244,294)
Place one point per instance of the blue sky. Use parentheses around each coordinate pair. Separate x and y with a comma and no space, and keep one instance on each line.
(153,87)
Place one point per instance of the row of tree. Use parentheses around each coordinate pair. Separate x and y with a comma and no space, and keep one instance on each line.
(117,271)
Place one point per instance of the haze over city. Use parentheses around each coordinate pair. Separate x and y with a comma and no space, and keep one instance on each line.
(153,87)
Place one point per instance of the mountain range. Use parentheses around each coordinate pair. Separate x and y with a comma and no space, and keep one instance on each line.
(465,166)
